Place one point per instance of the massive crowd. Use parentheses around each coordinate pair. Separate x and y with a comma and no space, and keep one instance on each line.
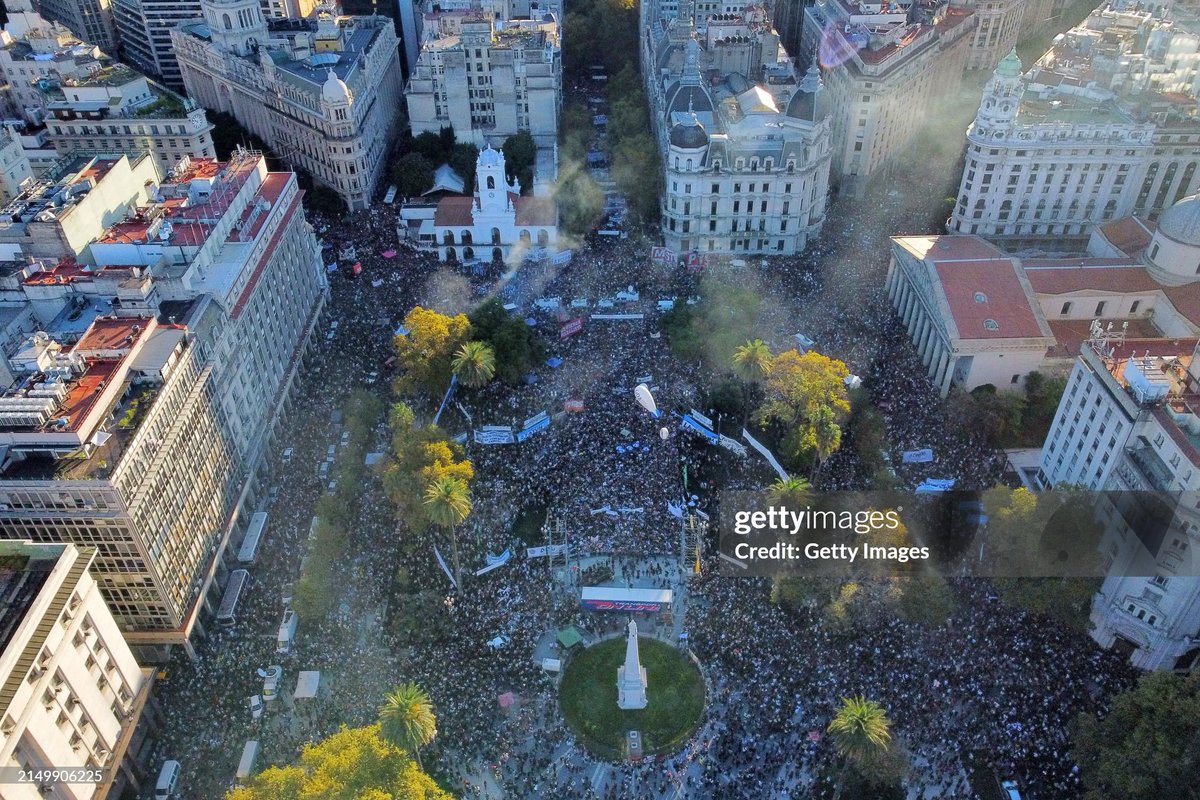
(992,690)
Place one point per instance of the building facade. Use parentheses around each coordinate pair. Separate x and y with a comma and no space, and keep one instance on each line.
(745,148)
(144,29)
(155,415)
(79,100)
(323,92)
(71,691)
(1102,127)
(487,77)
(887,69)
(1000,24)
(15,169)
(1127,425)
(90,20)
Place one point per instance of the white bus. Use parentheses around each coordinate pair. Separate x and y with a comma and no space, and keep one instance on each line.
(229,600)
(248,553)
(390,197)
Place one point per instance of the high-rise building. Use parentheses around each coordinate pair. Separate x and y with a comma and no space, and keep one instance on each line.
(144,29)
(745,148)
(136,418)
(888,69)
(1103,126)
(1000,23)
(1128,424)
(90,20)
(71,691)
(322,92)
(85,102)
(487,77)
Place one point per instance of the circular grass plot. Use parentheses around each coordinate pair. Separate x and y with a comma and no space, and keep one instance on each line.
(588,693)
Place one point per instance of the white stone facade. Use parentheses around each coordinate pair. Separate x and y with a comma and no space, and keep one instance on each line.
(323,93)
(73,690)
(487,78)
(745,154)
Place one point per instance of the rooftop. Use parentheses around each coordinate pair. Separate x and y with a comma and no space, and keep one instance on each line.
(23,572)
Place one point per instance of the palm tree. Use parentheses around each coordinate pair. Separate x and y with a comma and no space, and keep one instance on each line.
(861,732)
(448,502)
(827,435)
(794,490)
(751,362)
(407,720)
(474,364)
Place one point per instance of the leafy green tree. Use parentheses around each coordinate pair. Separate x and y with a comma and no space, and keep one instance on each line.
(352,764)
(926,600)
(426,353)
(751,362)
(475,364)
(407,720)
(516,346)
(419,456)
(413,175)
(861,732)
(794,490)
(520,153)
(461,158)
(806,394)
(448,502)
(1148,746)
(429,145)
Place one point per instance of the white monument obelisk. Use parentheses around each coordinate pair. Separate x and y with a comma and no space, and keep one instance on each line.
(631,678)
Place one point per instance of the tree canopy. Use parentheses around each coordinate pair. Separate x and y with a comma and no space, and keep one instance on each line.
(413,175)
(806,394)
(426,353)
(352,764)
(515,345)
(520,153)
(1148,746)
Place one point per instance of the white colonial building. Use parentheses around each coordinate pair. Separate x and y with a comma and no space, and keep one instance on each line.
(494,224)
(322,92)
(746,150)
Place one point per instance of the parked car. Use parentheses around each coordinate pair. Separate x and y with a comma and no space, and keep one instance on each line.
(330,452)
(271,679)
(287,455)
(256,706)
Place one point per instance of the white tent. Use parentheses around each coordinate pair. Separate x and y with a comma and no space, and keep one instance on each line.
(307,684)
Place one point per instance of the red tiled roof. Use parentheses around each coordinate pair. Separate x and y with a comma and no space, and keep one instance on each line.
(86,392)
(949,248)
(1084,276)
(454,212)
(535,211)
(65,271)
(988,289)
(1129,235)
(110,333)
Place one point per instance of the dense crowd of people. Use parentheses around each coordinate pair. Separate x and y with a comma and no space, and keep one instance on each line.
(991,691)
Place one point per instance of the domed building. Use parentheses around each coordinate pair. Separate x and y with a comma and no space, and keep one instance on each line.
(320,91)
(745,148)
(1174,254)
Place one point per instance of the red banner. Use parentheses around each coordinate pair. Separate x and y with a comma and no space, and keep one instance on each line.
(575,406)
(571,328)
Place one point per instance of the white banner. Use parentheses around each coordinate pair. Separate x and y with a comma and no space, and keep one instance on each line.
(760,447)
(708,423)
(548,550)
(445,569)
(917,456)
(731,445)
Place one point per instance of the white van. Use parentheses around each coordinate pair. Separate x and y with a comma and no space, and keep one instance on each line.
(287,631)
(246,765)
(168,781)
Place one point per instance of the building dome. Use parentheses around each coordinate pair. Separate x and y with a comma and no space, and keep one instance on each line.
(1181,221)
(489,157)
(1009,66)
(689,134)
(335,91)
(809,103)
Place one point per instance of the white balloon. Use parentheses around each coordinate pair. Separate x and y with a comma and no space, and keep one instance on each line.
(645,399)
(663,433)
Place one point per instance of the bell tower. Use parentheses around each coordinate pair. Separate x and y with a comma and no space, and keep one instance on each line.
(1002,94)
(237,26)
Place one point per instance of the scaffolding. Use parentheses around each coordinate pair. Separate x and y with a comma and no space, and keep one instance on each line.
(693,532)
